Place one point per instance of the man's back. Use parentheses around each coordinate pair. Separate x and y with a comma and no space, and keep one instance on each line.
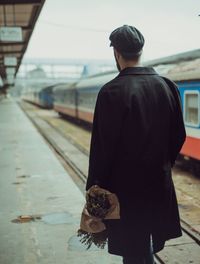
(138,110)
(138,131)
(149,107)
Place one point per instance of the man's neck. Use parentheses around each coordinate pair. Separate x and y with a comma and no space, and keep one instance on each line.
(129,64)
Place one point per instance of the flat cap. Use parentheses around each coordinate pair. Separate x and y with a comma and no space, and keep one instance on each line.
(127,40)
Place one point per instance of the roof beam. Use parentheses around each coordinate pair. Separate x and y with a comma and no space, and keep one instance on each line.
(23,27)
(12,43)
(15,2)
(10,52)
(3,65)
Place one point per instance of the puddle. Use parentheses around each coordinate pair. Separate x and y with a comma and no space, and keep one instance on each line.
(58,218)
(74,244)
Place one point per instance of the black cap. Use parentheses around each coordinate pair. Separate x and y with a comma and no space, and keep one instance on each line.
(127,40)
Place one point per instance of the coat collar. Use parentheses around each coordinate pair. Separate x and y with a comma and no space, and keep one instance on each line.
(138,71)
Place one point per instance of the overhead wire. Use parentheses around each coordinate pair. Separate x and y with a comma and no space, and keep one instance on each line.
(73,27)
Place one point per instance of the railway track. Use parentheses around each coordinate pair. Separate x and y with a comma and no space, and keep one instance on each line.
(183,250)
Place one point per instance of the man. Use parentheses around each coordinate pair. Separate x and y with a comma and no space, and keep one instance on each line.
(138,131)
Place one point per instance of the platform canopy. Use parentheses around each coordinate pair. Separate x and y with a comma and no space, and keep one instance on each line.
(17,21)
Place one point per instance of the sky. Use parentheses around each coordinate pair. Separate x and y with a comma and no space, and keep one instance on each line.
(81,28)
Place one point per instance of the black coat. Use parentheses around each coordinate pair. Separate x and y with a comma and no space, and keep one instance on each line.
(138,131)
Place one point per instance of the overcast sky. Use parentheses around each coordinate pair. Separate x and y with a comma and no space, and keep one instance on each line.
(81,28)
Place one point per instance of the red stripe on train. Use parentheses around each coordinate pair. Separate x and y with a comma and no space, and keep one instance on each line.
(83,115)
(191,148)
(86,116)
(65,110)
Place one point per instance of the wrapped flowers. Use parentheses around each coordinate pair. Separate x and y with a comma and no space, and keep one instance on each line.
(100,204)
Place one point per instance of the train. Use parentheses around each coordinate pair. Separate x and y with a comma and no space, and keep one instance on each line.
(189,87)
(77,100)
(41,95)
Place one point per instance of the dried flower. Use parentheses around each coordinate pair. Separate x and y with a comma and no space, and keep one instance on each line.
(98,239)
(98,205)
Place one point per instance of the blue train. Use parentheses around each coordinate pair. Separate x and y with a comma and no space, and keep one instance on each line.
(41,95)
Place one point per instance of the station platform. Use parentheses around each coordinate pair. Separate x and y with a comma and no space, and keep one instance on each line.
(35,186)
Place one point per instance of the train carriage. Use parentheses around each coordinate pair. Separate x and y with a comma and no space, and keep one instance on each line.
(189,87)
(87,90)
(39,94)
(45,97)
(65,99)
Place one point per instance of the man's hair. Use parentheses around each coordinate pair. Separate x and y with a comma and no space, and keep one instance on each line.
(130,57)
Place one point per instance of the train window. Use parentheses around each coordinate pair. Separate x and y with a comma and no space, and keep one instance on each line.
(192,108)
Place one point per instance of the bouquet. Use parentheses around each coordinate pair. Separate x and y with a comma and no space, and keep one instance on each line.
(100,204)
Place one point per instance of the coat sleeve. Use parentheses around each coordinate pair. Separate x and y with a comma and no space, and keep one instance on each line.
(105,137)
(177,131)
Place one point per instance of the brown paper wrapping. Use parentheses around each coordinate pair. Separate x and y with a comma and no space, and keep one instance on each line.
(93,224)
